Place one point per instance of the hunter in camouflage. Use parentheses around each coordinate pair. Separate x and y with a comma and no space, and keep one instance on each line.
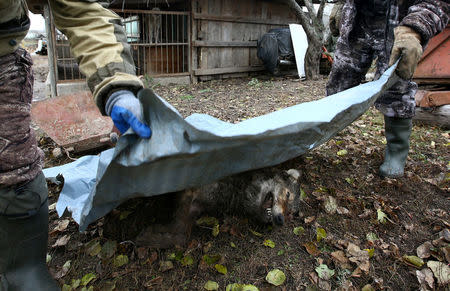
(98,41)
(386,30)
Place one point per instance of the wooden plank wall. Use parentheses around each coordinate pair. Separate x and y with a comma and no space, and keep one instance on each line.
(225,32)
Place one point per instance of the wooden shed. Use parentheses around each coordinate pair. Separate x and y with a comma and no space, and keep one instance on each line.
(187,41)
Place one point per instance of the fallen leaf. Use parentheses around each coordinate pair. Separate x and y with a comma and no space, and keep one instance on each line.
(93,248)
(381,216)
(309,219)
(340,257)
(441,271)
(256,233)
(371,237)
(76,283)
(211,259)
(207,220)
(312,249)
(324,272)
(211,285)
(321,234)
(87,279)
(276,277)
(330,205)
(63,271)
(342,152)
(240,287)
(221,269)
(62,241)
(425,277)
(414,260)
(269,243)
(299,230)
(423,251)
(108,250)
(187,261)
(165,266)
(215,231)
(368,287)
(120,260)
(62,225)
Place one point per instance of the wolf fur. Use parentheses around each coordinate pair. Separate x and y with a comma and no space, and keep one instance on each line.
(264,196)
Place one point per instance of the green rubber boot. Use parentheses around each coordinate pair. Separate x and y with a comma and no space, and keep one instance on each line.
(397,131)
(23,251)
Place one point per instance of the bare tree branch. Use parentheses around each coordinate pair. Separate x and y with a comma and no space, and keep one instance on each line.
(302,17)
(320,11)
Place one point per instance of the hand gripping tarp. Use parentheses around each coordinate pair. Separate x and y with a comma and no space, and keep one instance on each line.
(200,149)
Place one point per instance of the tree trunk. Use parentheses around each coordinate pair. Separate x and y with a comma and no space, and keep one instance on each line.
(312,61)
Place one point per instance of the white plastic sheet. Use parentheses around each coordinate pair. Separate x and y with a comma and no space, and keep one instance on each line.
(200,149)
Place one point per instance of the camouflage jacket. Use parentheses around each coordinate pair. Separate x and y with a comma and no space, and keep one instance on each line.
(427,17)
(96,39)
(98,42)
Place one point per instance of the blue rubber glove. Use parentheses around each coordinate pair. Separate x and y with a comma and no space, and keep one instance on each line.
(126,111)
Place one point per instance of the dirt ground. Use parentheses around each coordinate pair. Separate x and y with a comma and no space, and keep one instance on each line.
(353,224)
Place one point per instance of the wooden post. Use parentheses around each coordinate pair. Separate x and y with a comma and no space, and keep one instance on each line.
(51,43)
(192,32)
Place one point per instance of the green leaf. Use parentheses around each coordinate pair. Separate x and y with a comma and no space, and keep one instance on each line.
(76,283)
(211,259)
(342,153)
(269,243)
(371,237)
(281,252)
(370,251)
(350,180)
(187,261)
(93,248)
(299,230)
(207,220)
(211,285)
(91,288)
(303,195)
(256,233)
(324,272)
(221,269)
(381,216)
(416,261)
(120,260)
(232,244)
(66,287)
(215,230)
(276,277)
(48,259)
(321,234)
(108,249)
(87,278)
(241,287)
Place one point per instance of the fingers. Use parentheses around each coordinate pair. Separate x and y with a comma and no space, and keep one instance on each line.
(395,55)
(140,128)
(124,119)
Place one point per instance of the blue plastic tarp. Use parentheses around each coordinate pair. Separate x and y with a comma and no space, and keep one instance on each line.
(201,149)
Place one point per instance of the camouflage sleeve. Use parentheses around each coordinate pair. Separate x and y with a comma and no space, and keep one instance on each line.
(427,17)
(98,41)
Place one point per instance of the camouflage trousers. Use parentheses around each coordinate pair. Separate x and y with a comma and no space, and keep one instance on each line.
(20,157)
(353,58)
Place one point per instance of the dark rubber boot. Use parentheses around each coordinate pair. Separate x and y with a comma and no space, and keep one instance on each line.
(397,131)
(23,251)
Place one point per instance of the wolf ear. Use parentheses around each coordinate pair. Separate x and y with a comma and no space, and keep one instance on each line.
(295,174)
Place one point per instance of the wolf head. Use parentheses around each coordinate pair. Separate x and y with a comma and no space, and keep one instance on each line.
(278,197)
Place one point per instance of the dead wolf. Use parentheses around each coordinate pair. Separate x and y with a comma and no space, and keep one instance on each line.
(267,196)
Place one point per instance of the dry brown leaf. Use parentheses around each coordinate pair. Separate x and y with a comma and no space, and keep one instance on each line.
(309,219)
(340,257)
(62,241)
(62,225)
(423,251)
(312,249)
(425,278)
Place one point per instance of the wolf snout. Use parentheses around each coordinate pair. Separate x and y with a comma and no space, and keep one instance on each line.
(278,219)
